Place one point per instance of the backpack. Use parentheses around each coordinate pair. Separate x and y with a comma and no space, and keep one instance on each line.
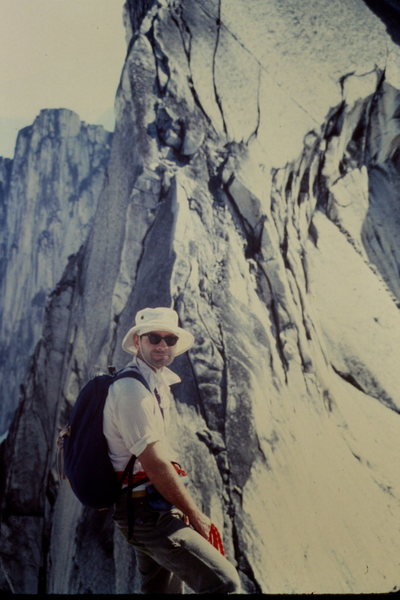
(82,446)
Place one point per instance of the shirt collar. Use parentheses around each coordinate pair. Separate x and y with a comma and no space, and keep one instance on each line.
(164,374)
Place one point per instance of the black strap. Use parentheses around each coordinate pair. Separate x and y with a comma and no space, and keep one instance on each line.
(157,395)
(130,501)
(134,373)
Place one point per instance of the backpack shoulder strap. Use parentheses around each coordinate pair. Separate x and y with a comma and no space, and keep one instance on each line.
(134,373)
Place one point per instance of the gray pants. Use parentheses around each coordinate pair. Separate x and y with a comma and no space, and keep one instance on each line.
(170,553)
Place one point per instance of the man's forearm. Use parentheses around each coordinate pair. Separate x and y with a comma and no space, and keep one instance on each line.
(166,480)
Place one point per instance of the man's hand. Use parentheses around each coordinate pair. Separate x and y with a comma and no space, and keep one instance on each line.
(201,523)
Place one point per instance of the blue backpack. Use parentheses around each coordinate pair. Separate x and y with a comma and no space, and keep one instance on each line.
(82,447)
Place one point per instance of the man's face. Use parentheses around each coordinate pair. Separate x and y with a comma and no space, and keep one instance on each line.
(154,349)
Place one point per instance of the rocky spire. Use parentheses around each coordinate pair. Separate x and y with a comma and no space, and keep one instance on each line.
(48,199)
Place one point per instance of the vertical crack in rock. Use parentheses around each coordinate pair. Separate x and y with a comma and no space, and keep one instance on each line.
(160,59)
(251,584)
(252,232)
(253,135)
(275,320)
(186,37)
(217,96)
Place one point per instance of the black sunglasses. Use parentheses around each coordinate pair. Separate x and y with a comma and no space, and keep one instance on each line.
(155,338)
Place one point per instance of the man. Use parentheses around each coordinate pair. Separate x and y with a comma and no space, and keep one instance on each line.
(171,535)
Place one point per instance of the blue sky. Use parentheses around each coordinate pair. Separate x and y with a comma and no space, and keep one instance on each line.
(58,54)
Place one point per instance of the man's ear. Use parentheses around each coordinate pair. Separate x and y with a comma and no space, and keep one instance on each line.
(136,341)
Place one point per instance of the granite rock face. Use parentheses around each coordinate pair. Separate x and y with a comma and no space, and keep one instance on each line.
(253,186)
(48,196)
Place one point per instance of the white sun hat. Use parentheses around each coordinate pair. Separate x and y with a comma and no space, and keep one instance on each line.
(158,319)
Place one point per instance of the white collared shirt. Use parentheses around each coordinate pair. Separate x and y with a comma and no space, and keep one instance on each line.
(132,417)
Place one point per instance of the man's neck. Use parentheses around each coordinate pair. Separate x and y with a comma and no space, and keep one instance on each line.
(154,369)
